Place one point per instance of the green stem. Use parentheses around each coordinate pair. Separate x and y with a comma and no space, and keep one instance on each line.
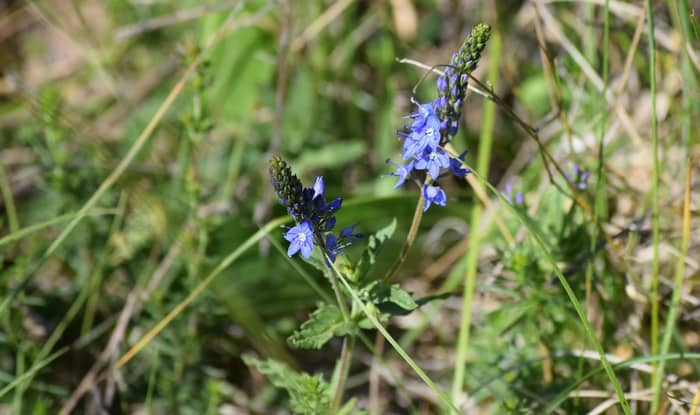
(348,340)
(8,200)
(339,297)
(345,355)
(370,314)
(654,208)
(415,224)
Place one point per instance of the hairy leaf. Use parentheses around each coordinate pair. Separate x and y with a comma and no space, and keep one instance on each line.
(322,325)
(308,395)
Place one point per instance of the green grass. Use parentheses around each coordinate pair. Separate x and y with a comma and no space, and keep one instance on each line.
(141,243)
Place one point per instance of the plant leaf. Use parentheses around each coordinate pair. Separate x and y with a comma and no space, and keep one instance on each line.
(390,299)
(374,246)
(308,395)
(322,325)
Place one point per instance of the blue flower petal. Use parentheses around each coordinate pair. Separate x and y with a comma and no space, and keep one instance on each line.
(319,187)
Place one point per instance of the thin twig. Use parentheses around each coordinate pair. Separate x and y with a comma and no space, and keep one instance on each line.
(434,70)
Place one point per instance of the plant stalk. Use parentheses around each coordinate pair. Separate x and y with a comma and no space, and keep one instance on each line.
(345,356)
(415,224)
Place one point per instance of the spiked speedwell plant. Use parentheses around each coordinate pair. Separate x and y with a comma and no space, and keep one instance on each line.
(434,124)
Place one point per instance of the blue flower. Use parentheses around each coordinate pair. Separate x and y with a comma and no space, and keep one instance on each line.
(433,161)
(433,194)
(402,172)
(347,234)
(456,165)
(578,177)
(424,117)
(423,133)
(300,237)
(332,247)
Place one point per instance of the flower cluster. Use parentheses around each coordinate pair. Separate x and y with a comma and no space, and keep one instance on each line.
(453,85)
(313,215)
(435,123)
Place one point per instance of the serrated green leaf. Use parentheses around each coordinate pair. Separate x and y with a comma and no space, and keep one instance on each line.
(390,299)
(322,325)
(374,246)
(308,395)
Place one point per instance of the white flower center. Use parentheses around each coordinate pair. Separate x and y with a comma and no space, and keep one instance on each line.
(429,133)
(433,155)
(302,237)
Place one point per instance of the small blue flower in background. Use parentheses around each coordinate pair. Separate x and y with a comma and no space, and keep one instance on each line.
(301,238)
(578,177)
(433,194)
(516,199)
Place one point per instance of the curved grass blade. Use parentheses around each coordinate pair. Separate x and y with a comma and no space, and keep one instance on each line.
(31,372)
(28,230)
(225,263)
(677,288)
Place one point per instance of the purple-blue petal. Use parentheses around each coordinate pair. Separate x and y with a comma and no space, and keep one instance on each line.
(331,241)
(335,205)
(433,195)
(306,249)
(293,248)
(330,223)
(319,187)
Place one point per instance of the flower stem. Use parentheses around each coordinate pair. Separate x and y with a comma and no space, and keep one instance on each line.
(345,355)
(339,296)
(415,223)
(348,340)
